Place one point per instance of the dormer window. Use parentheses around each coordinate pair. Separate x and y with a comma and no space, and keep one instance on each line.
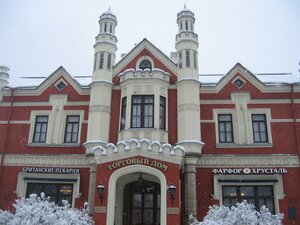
(145,64)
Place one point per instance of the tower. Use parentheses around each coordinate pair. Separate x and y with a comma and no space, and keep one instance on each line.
(100,95)
(3,79)
(101,86)
(188,103)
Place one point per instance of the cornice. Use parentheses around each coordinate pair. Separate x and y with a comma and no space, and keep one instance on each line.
(249,160)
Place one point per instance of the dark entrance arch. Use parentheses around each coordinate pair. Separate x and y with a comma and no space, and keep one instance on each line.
(141,203)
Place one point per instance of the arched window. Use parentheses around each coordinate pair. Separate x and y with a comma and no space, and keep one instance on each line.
(145,64)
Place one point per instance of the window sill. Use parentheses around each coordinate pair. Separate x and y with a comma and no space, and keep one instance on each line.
(62,145)
(256,145)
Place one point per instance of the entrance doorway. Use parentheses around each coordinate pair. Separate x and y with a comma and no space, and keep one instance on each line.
(141,203)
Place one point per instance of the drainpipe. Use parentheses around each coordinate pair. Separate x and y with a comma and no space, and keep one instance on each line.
(3,151)
(294,113)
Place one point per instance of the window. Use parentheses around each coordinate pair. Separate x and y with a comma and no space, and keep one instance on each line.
(142,111)
(105,27)
(56,192)
(95,60)
(188,60)
(101,60)
(72,129)
(186,25)
(162,113)
(40,129)
(259,127)
(256,195)
(180,60)
(195,59)
(145,64)
(225,128)
(123,113)
(110,29)
(109,61)
(181,26)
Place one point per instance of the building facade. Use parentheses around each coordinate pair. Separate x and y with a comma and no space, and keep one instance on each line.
(146,142)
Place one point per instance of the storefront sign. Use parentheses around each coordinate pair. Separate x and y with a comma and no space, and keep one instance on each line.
(249,171)
(50,170)
(141,161)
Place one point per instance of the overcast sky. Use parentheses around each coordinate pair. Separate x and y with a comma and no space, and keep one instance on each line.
(38,36)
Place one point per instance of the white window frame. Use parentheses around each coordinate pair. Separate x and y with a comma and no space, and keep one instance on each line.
(267,113)
(50,126)
(274,180)
(33,116)
(217,112)
(66,113)
(24,179)
(247,129)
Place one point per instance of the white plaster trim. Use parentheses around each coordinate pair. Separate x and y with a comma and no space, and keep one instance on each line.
(132,169)
(207,121)
(282,120)
(218,161)
(267,180)
(65,160)
(22,183)
(137,66)
(252,101)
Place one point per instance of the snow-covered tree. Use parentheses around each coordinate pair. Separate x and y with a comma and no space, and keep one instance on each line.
(241,214)
(36,210)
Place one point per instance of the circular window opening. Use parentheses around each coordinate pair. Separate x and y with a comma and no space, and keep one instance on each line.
(145,64)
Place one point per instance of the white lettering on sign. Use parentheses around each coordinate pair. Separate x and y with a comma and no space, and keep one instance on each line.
(50,170)
(249,171)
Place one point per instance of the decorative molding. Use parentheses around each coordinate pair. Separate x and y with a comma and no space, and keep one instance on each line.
(189,107)
(65,160)
(248,160)
(100,209)
(173,210)
(100,108)
(133,147)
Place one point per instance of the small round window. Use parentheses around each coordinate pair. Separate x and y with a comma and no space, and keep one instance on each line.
(145,64)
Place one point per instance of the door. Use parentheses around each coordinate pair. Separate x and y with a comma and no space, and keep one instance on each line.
(141,203)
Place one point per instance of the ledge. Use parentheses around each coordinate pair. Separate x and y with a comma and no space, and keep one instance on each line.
(256,145)
(63,145)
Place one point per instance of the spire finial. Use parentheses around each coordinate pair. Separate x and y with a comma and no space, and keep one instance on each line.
(184,6)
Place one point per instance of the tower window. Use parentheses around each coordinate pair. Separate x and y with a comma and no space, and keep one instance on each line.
(145,64)
(181,27)
(110,29)
(195,59)
(105,28)
(101,60)
(180,60)
(109,61)
(188,60)
(186,25)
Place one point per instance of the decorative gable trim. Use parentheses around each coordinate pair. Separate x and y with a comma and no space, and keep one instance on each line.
(246,75)
(145,44)
(52,80)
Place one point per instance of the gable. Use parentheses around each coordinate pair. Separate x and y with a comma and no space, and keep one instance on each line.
(148,51)
(59,82)
(240,79)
